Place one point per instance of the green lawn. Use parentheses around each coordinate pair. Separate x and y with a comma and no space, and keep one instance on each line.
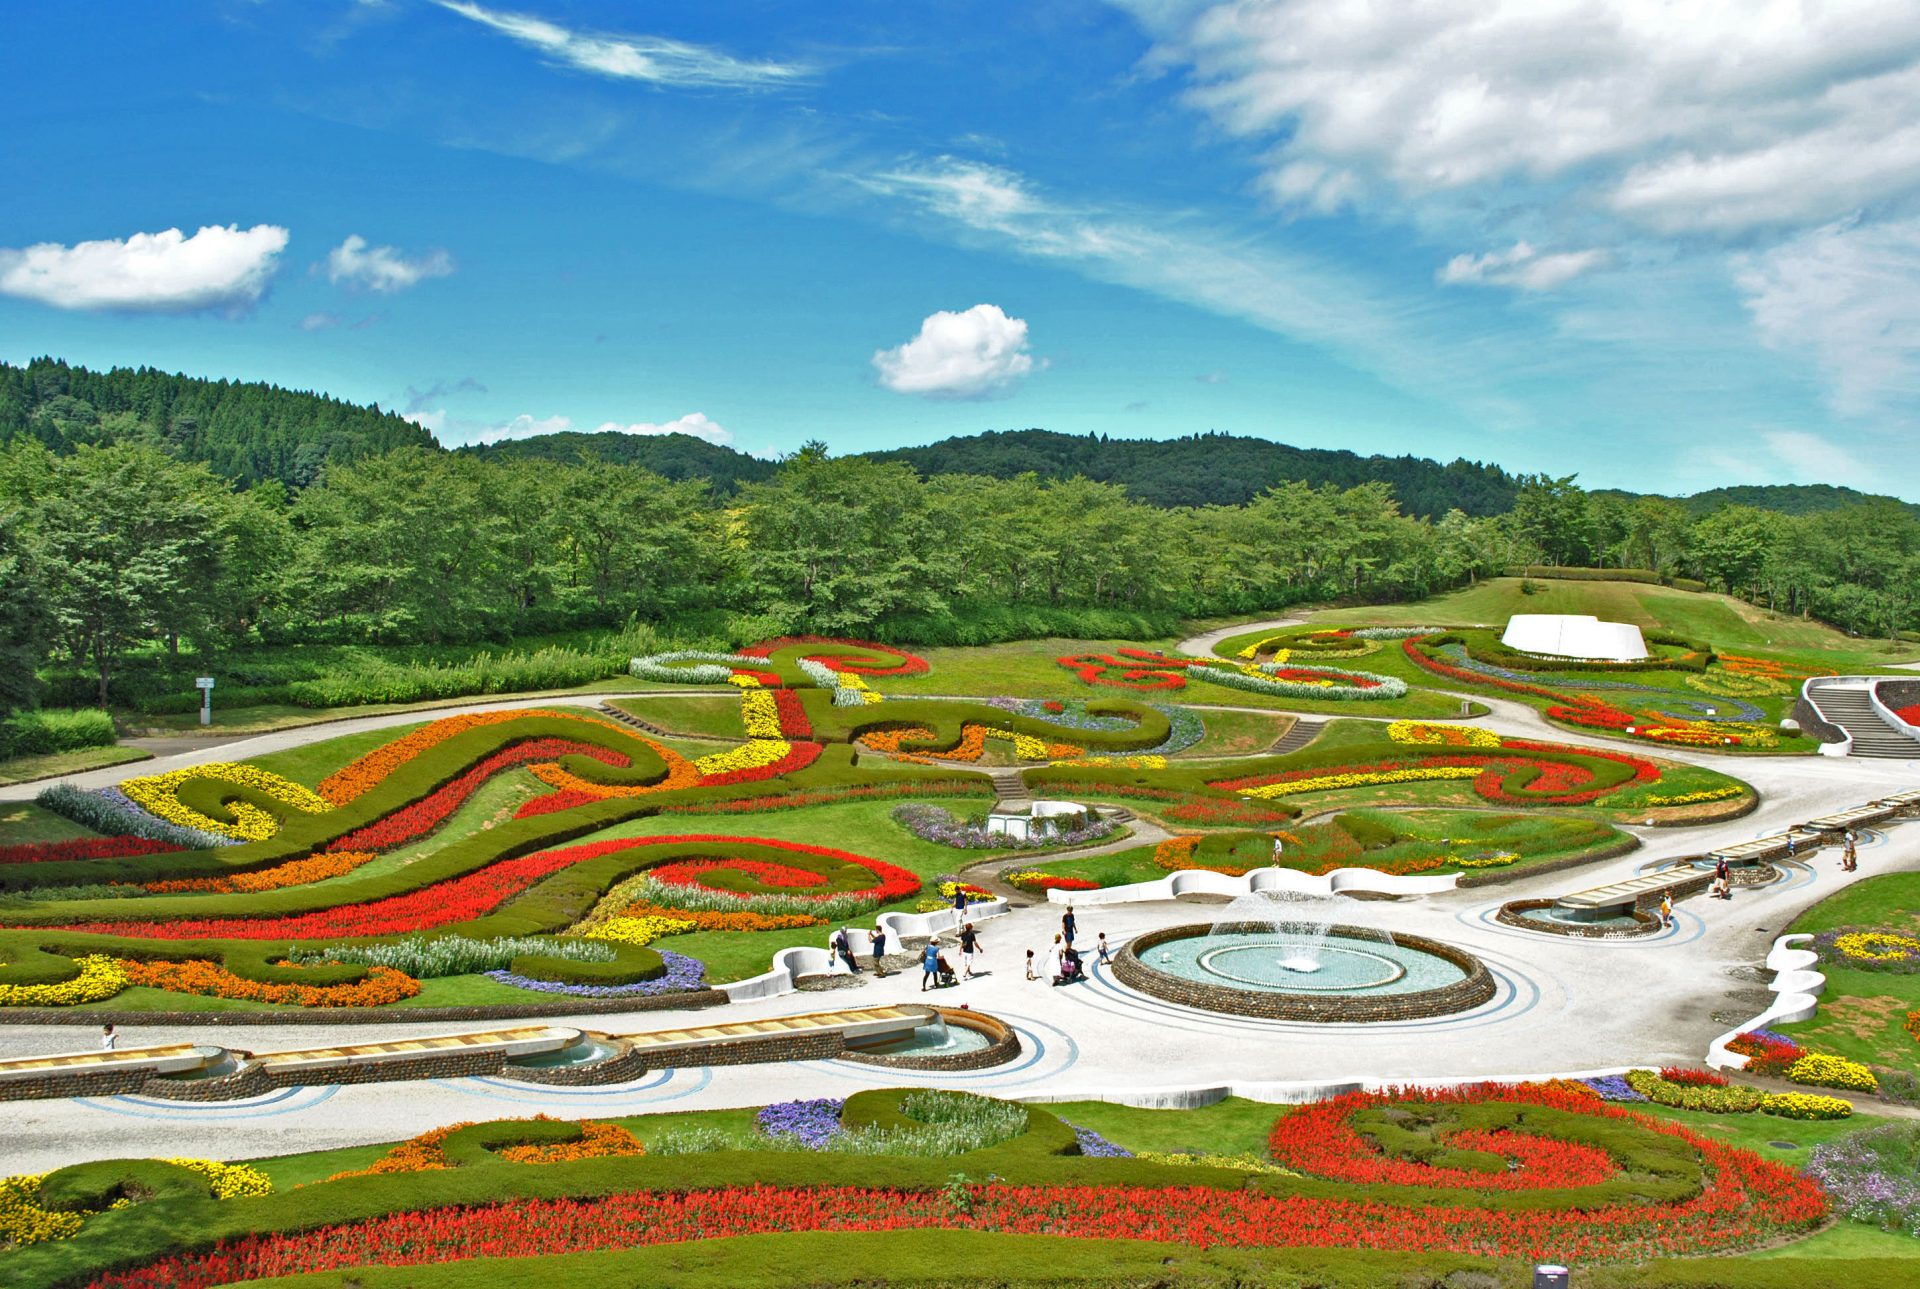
(26,769)
(1231,1127)
(22,822)
(1237,733)
(1863,1013)
(717,715)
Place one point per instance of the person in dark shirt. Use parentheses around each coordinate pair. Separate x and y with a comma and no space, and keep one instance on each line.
(969,944)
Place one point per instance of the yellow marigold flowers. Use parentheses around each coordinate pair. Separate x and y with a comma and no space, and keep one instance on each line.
(1825,1070)
(1412,774)
(1499,859)
(100,977)
(159,795)
(1877,946)
(1429,732)
(745,756)
(229,1181)
(759,712)
(1695,798)
(1140,761)
(1805,1105)
(640,931)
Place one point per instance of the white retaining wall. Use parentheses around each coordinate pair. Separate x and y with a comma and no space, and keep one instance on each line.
(1199,881)
(805,960)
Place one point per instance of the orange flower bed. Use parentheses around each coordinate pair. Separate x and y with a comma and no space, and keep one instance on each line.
(297,872)
(681,773)
(428,1152)
(382,985)
(351,780)
(710,920)
(887,742)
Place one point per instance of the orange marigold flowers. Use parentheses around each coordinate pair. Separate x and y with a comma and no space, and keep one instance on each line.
(381,985)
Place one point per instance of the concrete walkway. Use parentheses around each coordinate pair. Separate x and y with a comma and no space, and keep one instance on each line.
(1202,644)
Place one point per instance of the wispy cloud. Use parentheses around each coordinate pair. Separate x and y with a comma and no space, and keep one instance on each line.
(1521,265)
(459,431)
(655,60)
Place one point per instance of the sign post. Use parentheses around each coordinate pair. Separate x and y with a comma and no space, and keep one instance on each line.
(205,685)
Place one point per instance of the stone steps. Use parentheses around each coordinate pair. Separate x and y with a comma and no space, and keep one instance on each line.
(1853,711)
(648,727)
(1304,731)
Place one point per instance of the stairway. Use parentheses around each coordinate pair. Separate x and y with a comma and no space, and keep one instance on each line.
(1010,789)
(1304,731)
(1849,707)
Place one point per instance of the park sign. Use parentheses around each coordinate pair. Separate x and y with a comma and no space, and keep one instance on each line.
(203,682)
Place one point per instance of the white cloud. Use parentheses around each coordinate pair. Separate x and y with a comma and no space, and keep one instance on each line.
(972,354)
(1680,117)
(653,59)
(1520,266)
(320,321)
(383,268)
(166,272)
(1845,295)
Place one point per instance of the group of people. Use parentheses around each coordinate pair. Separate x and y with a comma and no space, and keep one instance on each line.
(1063,963)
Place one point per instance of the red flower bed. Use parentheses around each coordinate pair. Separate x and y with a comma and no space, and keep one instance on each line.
(799,800)
(1049,882)
(907,664)
(1911,715)
(1687,1076)
(410,823)
(1318,1140)
(463,898)
(1746,1199)
(1140,670)
(1766,1051)
(47,852)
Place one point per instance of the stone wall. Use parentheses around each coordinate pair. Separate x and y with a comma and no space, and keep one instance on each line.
(1510,915)
(1477,988)
(562,1005)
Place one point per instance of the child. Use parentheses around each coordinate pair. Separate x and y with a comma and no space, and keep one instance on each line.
(1031,975)
(1666,909)
(1101,945)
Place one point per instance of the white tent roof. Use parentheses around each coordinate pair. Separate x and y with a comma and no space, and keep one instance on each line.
(1574,635)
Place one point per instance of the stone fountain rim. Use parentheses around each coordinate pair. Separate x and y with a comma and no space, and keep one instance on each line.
(1462,995)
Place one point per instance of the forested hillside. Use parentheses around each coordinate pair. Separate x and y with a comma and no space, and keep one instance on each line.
(1213,469)
(672,456)
(247,432)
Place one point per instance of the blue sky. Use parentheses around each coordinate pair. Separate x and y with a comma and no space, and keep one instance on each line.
(1667,250)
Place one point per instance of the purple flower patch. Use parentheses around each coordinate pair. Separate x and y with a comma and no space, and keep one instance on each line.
(682,974)
(813,1124)
(1094,1146)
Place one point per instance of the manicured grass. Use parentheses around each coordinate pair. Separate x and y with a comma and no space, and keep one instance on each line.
(1758,1132)
(26,769)
(1234,1126)
(312,762)
(1863,1013)
(22,822)
(1237,733)
(1120,868)
(1890,902)
(1719,619)
(1845,1240)
(718,715)
(264,718)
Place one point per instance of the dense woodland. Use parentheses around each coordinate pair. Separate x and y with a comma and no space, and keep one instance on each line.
(137,534)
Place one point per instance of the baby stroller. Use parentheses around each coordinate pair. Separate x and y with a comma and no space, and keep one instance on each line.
(1070,969)
(943,977)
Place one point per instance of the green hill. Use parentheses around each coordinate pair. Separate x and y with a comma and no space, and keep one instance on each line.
(676,456)
(1212,469)
(246,431)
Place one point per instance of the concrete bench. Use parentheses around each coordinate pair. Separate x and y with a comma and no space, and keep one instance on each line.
(1858,817)
(500,1044)
(173,1058)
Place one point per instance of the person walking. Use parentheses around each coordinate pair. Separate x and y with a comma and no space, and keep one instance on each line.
(108,1039)
(959,898)
(1031,974)
(1722,880)
(1068,924)
(1666,909)
(1850,857)
(930,965)
(969,945)
(1100,944)
(878,941)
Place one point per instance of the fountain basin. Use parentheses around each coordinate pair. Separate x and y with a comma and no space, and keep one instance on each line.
(1359,976)
(951,1038)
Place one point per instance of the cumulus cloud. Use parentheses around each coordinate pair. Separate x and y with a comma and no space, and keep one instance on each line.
(973,354)
(382,269)
(1845,294)
(653,59)
(1521,266)
(694,423)
(166,272)
(1679,117)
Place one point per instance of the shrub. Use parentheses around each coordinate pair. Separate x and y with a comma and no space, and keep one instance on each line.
(1804,1105)
(1705,1098)
(42,732)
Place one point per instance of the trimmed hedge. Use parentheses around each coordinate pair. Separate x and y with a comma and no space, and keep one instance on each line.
(38,733)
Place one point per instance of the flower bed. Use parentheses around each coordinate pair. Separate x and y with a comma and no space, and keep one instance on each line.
(24,1220)
(354,779)
(683,974)
(381,986)
(939,826)
(428,1152)
(1873,1176)
(1040,883)
(1142,669)
(53,852)
(159,796)
(100,977)
(296,872)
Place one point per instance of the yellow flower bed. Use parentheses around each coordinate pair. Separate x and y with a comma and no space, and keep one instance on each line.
(746,756)
(641,931)
(1825,1070)
(1325,782)
(229,1181)
(1500,860)
(1431,732)
(1877,946)
(1253,650)
(1805,1105)
(100,977)
(1732,684)
(1141,761)
(1249,1163)
(1695,798)
(158,795)
(759,713)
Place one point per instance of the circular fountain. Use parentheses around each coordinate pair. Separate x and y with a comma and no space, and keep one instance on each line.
(1288,955)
